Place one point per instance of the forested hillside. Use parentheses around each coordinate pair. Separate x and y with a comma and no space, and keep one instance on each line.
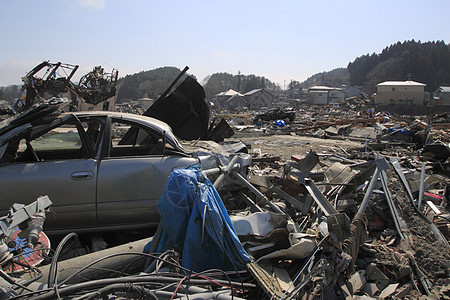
(428,63)
(333,78)
(148,84)
(219,82)
(153,83)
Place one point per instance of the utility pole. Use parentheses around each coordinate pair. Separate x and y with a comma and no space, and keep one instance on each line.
(239,81)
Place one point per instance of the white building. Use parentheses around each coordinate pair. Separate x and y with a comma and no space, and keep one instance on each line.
(400,92)
(325,95)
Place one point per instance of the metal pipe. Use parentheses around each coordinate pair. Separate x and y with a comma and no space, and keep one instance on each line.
(256,192)
(217,170)
(422,186)
(294,291)
(365,202)
(220,179)
(320,199)
(398,169)
(438,234)
(398,222)
(154,246)
(67,267)
(251,203)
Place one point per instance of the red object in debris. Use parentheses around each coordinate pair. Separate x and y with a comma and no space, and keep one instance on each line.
(28,256)
(437,199)
(297,157)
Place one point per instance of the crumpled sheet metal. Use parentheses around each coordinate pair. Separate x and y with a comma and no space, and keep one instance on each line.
(261,223)
(303,247)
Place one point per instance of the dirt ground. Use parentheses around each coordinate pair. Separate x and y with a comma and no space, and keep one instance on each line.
(286,145)
(431,255)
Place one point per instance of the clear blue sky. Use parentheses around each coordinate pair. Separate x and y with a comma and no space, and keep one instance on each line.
(281,40)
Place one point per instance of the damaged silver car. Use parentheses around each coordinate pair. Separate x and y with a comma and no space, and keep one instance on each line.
(102,170)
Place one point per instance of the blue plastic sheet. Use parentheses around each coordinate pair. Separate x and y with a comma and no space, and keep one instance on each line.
(196,224)
(280,123)
(403,131)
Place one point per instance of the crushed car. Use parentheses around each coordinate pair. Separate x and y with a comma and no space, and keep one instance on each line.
(102,170)
(275,114)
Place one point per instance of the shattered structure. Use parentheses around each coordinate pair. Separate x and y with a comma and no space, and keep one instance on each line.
(98,86)
(337,204)
(48,79)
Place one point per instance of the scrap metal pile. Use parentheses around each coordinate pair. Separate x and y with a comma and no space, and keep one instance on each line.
(365,225)
(52,79)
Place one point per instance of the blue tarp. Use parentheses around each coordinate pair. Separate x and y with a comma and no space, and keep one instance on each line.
(403,131)
(280,123)
(182,209)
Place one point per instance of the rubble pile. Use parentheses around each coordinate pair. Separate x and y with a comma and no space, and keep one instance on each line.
(397,246)
(337,122)
(342,205)
(321,226)
(320,202)
(329,248)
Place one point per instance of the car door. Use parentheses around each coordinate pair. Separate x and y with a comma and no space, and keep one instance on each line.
(132,176)
(54,160)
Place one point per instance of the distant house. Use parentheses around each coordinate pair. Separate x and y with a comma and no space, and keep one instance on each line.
(220,100)
(325,95)
(400,92)
(441,96)
(235,102)
(258,98)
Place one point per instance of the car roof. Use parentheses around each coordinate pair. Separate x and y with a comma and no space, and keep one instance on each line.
(150,122)
(157,124)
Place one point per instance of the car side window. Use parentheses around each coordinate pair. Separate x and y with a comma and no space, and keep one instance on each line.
(61,142)
(65,137)
(131,139)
